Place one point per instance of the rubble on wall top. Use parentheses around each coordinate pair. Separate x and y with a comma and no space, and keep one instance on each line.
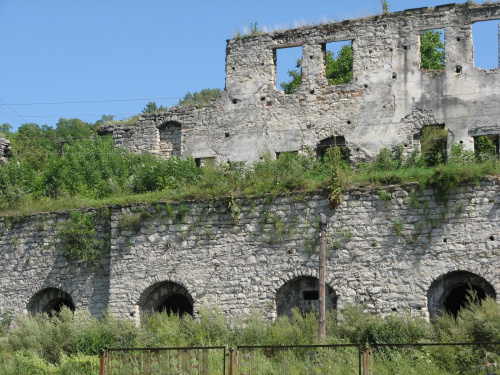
(463,7)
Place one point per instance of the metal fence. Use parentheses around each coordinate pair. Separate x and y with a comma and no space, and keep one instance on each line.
(298,359)
(426,358)
(163,361)
(416,358)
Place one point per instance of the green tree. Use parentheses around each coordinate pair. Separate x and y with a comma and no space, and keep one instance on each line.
(295,79)
(431,50)
(103,120)
(200,99)
(5,129)
(151,107)
(338,69)
(73,128)
(33,144)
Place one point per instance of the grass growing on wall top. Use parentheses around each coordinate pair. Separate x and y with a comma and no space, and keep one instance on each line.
(94,173)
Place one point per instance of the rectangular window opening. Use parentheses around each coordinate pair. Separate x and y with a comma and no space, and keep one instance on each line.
(338,61)
(485,39)
(486,147)
(310,295)
(288,69)
(432,49)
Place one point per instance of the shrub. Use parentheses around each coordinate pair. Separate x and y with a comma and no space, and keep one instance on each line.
(78,237)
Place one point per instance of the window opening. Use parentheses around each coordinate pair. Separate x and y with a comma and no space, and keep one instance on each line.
(339,61)
(310,295)
(288,69)
(433,144)
(485,40)
(432,49)
(486,147)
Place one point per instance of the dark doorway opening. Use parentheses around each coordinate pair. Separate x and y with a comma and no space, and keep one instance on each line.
(55,306)
(460,296)
(176,304)
(50,301)
(451,292)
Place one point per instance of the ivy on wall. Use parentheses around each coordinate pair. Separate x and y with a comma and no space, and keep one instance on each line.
(78,236)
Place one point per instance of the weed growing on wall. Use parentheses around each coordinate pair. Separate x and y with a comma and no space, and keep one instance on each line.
(398,226)
(78,236)
(338,180)
(384,195)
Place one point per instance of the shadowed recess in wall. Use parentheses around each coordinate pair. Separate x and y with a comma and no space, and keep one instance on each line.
(303,293)
(50,300)
(451,292)
(166,297)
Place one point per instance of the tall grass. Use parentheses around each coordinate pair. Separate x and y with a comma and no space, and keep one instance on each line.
(95,173)
(69,343)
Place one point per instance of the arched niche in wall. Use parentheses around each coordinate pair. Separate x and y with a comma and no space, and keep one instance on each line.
(450,292)
(303,293)
(330,142)
(166,297)
(170,137)
(50,300)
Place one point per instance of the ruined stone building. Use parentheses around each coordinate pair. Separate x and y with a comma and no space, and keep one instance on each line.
(388,102)
(409,251)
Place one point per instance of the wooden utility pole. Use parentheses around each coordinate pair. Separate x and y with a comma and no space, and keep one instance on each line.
(322,278)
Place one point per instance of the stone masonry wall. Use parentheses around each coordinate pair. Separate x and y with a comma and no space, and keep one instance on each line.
(386,248)
(31,261)
(387,103)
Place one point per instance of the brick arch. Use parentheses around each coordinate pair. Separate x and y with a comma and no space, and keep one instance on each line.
(447,293)
(50,299)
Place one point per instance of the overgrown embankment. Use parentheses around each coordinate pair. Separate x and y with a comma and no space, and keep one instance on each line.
(69,343)
(92,173)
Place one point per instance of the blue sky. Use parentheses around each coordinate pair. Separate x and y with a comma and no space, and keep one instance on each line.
(104,53)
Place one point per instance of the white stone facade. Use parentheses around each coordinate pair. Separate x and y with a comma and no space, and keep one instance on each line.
(392,255)
(387,103)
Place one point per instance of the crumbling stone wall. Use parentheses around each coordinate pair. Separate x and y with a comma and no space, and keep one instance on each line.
(376,109)
(5,151)
(401,249)
(33,271)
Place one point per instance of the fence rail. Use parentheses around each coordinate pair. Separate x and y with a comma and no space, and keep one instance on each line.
(412,358)
(163,361)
